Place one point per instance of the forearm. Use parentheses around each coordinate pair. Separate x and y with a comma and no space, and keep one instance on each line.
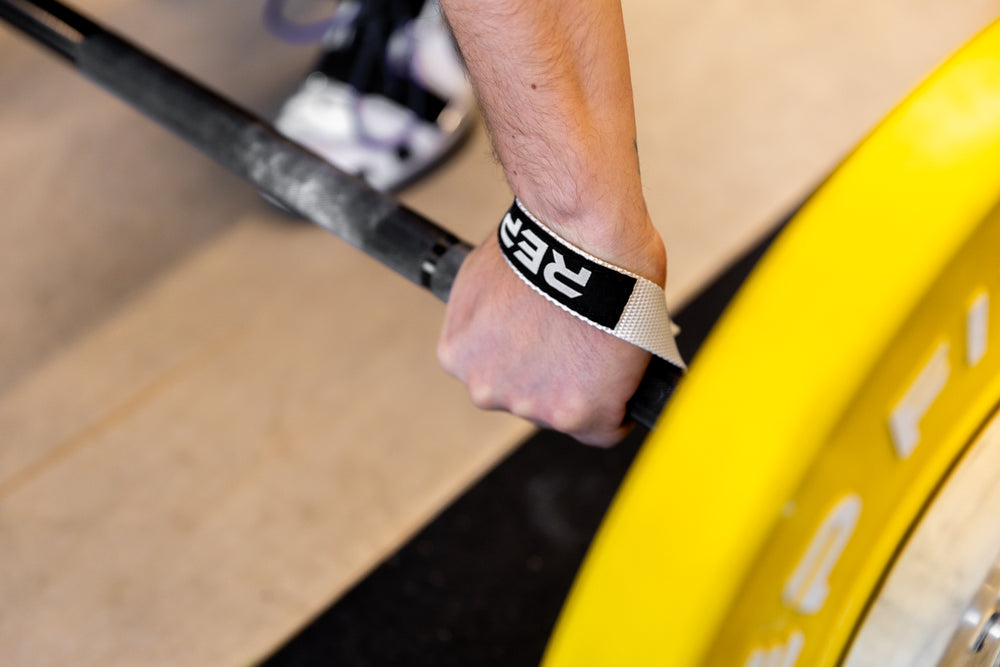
(553,80)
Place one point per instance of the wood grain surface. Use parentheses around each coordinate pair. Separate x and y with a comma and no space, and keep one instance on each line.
(213,421)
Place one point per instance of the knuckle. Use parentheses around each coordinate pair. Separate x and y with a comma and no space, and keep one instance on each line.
(525,408)
(447,356)
(482,395)
(570,415)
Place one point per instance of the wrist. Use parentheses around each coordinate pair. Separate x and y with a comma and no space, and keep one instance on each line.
(622,234)
(608,296)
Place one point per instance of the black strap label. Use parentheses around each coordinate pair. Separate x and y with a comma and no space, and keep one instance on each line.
(592,290)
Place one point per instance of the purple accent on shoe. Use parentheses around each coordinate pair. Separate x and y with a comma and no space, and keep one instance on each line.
(289,31)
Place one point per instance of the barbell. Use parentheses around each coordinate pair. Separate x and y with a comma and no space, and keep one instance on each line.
(832,441)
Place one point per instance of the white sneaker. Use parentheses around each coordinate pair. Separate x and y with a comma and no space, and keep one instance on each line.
(389,98)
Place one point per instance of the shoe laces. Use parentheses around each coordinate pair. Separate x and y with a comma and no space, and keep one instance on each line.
(369,45)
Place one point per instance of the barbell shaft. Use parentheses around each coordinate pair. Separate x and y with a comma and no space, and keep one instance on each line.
(374,222)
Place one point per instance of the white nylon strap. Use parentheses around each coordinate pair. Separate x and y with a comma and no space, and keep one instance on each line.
(606,296)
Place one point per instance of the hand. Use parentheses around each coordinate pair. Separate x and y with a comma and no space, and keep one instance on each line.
(516,351)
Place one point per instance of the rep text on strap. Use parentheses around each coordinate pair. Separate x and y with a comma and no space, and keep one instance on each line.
(608,297)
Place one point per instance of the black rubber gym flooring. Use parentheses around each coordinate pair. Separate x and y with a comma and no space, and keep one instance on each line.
(483,583)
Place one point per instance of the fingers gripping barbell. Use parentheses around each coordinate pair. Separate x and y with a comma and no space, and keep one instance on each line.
(374,222)
(758,526)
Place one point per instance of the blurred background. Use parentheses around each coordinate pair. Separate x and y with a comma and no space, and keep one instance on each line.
(214,420)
